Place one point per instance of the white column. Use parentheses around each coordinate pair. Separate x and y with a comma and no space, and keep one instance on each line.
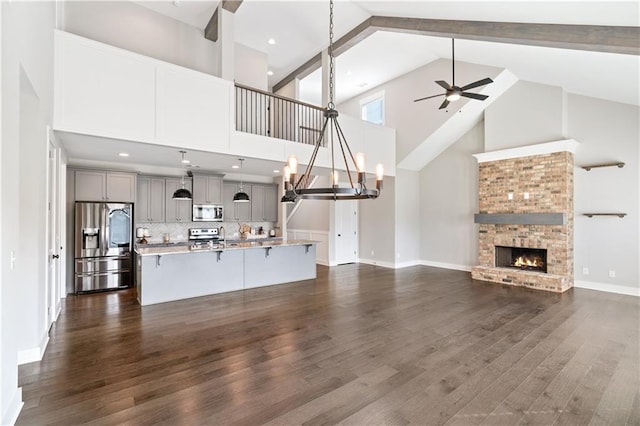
(226,55)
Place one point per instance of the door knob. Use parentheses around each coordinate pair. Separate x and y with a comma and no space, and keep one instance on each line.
(55,256)
(339,235)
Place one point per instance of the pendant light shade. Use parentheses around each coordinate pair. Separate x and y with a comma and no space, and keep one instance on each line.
(241,196)
(182,194)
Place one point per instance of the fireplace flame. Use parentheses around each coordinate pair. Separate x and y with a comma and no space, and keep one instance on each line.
(524,261)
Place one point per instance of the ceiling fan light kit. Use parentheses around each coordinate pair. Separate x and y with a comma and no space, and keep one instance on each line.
(452,92)
(296,188)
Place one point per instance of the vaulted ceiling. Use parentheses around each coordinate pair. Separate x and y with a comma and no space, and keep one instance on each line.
(300,31)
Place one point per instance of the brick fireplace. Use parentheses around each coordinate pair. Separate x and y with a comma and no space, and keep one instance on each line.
(526,209)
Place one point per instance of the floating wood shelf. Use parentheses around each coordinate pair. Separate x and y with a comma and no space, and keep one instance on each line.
(604,214)
(595,166)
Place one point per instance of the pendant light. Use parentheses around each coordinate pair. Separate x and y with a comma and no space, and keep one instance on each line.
(357,189)
(241,196)
(182,194)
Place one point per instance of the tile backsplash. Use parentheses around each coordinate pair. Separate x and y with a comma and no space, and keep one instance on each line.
(180,231)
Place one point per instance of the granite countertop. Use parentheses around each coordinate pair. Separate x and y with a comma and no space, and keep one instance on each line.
(176,248)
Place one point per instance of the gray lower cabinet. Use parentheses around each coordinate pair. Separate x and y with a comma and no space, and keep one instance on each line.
(99,185)
(177,210)
(236,211)
(207,189)
(150,203)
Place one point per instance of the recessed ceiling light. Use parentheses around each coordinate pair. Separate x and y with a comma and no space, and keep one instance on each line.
(363,84)
(235,166)
(349,73)
(269,72)
(276,171)
(123,154)
(271,41)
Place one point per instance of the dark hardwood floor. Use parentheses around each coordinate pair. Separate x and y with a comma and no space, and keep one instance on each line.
(360,345)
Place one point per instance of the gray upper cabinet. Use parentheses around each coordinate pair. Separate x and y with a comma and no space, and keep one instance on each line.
(263,206)
(96,185)
(236,211)
(207,189)
(271,203)
(150,203)
(177,210)
(264,203)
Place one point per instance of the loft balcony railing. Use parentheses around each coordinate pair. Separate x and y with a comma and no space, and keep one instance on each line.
(266,114)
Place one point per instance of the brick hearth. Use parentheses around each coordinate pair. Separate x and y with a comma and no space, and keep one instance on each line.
(548,179)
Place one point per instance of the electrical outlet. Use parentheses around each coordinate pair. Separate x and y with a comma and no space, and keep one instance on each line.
(398,255)
(585,271)
(526,195)
(612,274)
(13,259)
(510,196)
(372,253)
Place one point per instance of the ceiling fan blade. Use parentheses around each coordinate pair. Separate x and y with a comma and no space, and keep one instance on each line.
(443,84)
(428,97)
(477,96)
(444,104)
(477,84)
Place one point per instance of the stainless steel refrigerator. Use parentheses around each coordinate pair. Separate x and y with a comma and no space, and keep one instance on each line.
(103,246)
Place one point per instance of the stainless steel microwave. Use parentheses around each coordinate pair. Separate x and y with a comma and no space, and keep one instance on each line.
(207,213)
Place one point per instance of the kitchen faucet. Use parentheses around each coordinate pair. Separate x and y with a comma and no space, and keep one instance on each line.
(222,232)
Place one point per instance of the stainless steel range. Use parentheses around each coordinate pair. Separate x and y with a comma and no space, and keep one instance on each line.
(203,237)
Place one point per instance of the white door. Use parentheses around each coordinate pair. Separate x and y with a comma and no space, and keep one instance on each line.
(346,231)
(53,253)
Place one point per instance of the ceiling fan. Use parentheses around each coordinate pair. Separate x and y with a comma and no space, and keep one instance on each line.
(453,92)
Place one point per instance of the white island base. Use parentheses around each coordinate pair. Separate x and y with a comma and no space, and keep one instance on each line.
(167,274)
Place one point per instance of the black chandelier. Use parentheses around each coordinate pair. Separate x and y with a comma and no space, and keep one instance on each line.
(299,187)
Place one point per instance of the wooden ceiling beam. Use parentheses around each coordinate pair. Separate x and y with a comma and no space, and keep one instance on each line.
(596,38)
(211,30)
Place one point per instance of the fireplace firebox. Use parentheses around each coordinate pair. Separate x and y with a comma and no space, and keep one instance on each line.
(529,259)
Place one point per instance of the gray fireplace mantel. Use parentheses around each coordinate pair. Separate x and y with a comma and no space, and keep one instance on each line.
(521,218)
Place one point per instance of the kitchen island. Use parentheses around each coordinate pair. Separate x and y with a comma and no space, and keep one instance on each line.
(179,272)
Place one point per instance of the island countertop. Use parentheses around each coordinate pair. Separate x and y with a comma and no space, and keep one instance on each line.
(226,246)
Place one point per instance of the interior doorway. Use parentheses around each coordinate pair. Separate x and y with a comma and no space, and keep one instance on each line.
(53,231)
(346,231)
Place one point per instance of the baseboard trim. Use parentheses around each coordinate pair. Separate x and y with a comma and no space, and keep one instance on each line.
(377,263)
(34,354)
(444,265)
(14,408)
(407,264)
(609,288)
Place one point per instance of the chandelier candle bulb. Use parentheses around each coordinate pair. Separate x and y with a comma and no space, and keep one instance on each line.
(335,178)
(293,164)
(360,162)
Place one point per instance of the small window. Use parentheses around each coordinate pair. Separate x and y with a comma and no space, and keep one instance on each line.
(372,108)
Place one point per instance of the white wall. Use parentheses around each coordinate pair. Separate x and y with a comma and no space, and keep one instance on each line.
(527,114)
(377,226)
(133,27)
(415,121)
(27,59)
(607,132)
(448,200)
(408,218)
(251,67)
